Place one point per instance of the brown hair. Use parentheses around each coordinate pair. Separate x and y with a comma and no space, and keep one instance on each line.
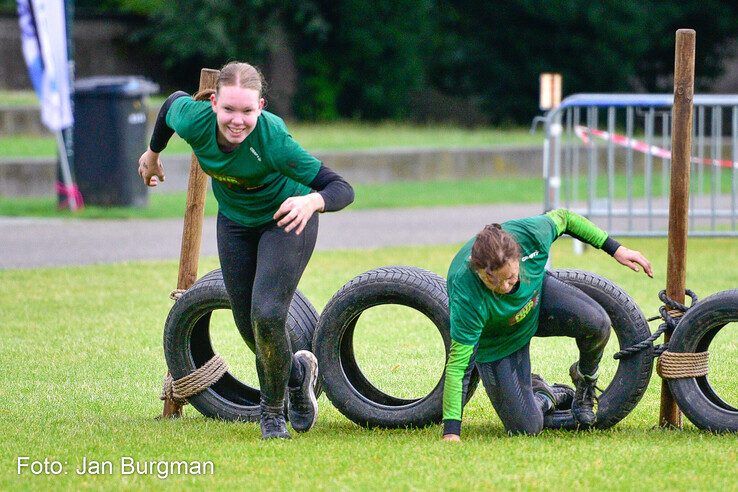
(242,75)
(493,248)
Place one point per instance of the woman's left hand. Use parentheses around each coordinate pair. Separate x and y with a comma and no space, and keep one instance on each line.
(632,259)
(295,211)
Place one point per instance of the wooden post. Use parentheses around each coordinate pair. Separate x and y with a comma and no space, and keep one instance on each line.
(681,151)
(550,92)
(192,231)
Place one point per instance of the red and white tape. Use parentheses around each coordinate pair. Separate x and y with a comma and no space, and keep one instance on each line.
(585,134)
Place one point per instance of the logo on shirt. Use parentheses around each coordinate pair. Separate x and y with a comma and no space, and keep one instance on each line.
(520,315)
(235,184)
(256,154)
(530,256)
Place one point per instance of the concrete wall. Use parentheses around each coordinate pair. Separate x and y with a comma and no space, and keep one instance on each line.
(21,121)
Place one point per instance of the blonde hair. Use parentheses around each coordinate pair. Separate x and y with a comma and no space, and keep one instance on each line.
(242,75)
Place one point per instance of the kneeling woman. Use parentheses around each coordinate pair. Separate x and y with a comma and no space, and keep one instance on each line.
(500,296)
(267,224)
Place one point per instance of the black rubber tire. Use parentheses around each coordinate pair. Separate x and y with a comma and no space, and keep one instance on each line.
(694,333)
(187,346)
(364,404)
(346,387)
(631,379)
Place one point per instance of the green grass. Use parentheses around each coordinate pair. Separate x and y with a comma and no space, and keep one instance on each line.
(18,98)
(82,364)
(354,135)
(368,196)
(26,146)
(15,98)
(577,189)
(397,194)
(328,137)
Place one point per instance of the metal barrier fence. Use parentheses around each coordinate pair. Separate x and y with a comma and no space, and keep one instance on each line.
(607,157)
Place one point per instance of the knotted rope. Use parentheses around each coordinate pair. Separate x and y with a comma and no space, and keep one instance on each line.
(670,365)
(199,380)
(670,312)
(176,294)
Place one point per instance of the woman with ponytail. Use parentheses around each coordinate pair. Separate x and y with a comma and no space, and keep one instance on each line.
(500,296)
(269,192)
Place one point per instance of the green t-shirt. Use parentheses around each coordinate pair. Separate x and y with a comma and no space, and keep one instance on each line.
(252,181)
(502,323)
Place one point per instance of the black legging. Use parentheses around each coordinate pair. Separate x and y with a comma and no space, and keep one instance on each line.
(261,269)
(565,311)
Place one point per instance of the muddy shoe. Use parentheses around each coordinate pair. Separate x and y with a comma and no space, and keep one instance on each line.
(585,397)
(564,396)
(303,407)
(273,425)
(559,395)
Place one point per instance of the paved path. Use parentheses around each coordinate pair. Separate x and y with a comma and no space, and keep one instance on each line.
(28,243)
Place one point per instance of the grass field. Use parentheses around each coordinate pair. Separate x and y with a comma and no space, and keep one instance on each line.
(381,195)
(396,194)
(330,136)
(82,363)
(18,98)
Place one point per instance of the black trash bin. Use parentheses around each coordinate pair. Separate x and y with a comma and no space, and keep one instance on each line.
(110,117)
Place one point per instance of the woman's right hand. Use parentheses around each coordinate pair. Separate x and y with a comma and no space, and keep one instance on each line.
(150,168)
(451,437)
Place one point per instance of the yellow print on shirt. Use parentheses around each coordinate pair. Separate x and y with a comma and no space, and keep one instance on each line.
(226,179)
(520,315)
(234,183)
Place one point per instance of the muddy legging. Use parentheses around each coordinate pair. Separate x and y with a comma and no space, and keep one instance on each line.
(565,311)
(261,268)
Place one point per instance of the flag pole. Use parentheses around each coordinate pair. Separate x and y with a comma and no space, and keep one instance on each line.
(69,186)
(66,146)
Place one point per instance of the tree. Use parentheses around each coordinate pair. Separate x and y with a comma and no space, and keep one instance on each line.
(716,24)
(369,60)
(496,50)
(366,60)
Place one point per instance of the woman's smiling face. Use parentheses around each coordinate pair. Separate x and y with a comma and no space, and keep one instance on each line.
(237,110)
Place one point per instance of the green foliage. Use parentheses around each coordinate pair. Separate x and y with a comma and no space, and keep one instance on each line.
(497,49)
(192,34)
(142,7)
(373,60)
(716,25)
(367,60)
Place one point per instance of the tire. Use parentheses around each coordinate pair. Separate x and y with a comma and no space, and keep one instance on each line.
(634,372)
(346,387)
(187,346)
(694,333)
(356,398)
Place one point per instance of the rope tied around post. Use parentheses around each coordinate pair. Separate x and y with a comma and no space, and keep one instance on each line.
(199,380)
(674,365)
(671,312)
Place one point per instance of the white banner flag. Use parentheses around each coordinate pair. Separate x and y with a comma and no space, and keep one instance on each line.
(44,38)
